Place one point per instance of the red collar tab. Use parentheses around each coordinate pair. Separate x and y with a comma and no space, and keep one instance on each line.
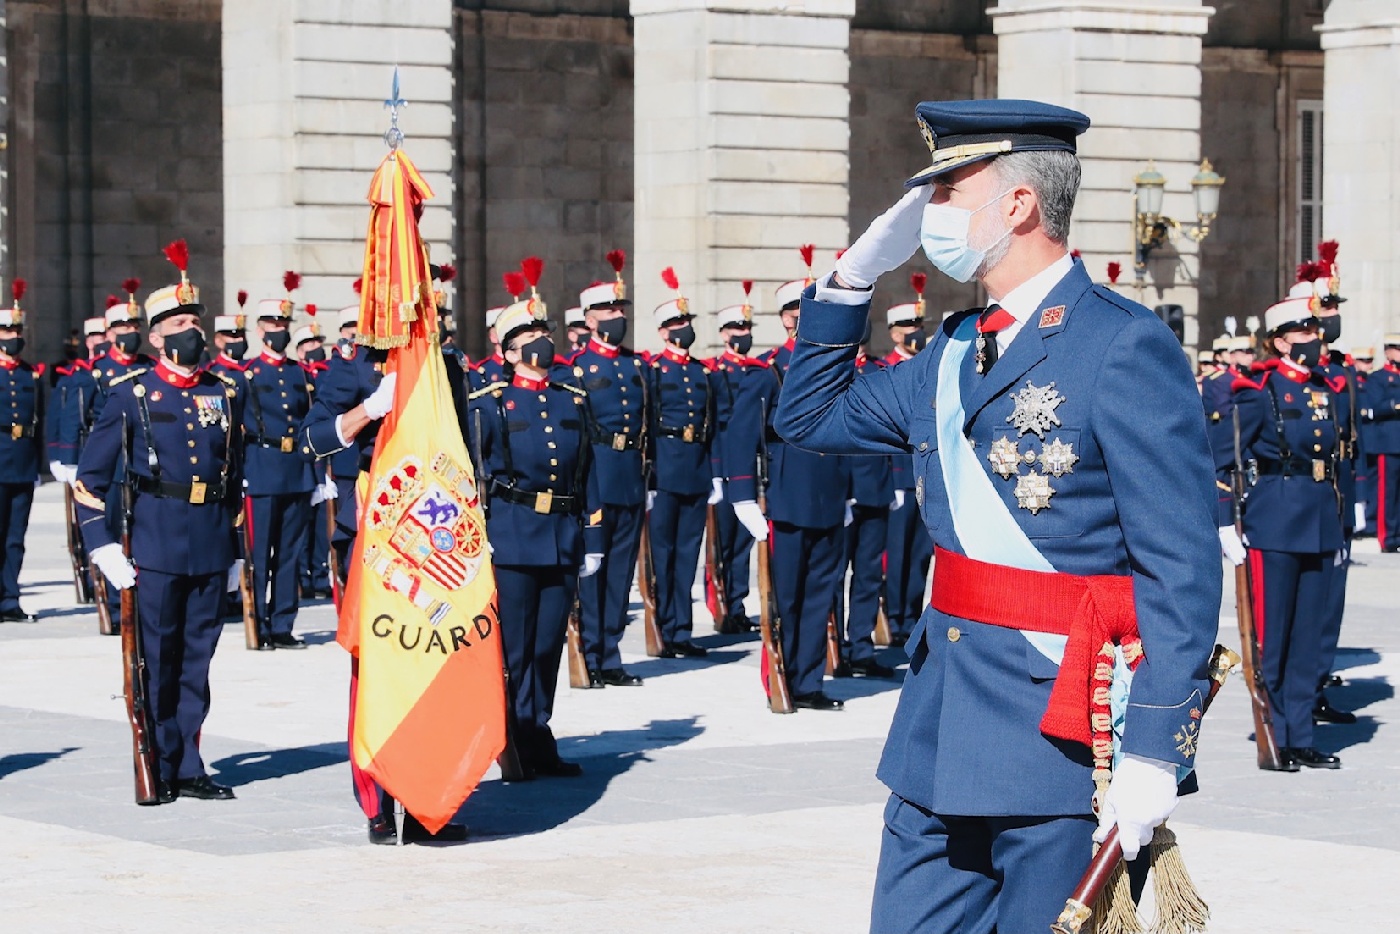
(178,380)
(224,359)
(602,349)
(861,359)
(267,357)
(791,344)
(1292,371)
(11,364)
(521,381)
(120,357)
(670,354)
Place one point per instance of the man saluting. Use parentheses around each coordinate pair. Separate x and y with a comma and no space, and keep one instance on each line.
(1063,472)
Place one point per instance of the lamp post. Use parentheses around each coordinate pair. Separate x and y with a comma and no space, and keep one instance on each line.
(1151,228)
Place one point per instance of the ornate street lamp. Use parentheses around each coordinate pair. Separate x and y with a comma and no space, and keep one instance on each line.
(1151,228)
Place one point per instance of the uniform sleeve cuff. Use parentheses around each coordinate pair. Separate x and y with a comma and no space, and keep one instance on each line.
(831,293)
(833,324)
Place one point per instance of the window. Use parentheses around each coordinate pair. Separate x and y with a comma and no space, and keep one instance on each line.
(1309,179)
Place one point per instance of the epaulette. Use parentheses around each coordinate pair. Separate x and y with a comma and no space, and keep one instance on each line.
(573,389)
(757,362)
(488,389)
(228,380)
(130,374)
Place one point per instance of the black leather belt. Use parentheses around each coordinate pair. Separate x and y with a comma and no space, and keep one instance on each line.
(17,431)
(690,434)
(618,440)
(195,493)
(1318,469)
(286,445)
(545,504)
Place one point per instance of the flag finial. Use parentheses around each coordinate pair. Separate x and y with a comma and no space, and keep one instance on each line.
(393,137)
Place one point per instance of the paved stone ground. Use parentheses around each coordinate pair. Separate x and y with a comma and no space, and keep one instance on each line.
(698,811)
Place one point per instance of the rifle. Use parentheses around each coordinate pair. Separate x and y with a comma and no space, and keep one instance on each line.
(770,624)
(715,572)
(332,558)
(77,554)
(512,769)
(1266,747)
(646,583)
(882,635)
(1078,910)
(251,639)
(578,665)
(105,626)
(138,711)
(833,645)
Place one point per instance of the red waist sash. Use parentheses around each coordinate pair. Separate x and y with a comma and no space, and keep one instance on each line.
(1096,612)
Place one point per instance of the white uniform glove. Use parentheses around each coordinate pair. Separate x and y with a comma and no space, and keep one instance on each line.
(235,575)
(114,565)
(332,492)
(591,564)
(753,518)
(898,500)
(651,499)
(1231,546)
(318,495)
(1361,515)
(62,472)
(716,492)
(1141,795)
(850,513)
(887,243)
(382,399)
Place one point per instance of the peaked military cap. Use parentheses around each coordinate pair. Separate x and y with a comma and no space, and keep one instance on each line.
(959,133)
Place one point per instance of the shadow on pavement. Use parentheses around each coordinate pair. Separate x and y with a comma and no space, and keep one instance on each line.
(1335,738)
(657,667)
(249,767)
(497,809)
(19,761)
(1355,658)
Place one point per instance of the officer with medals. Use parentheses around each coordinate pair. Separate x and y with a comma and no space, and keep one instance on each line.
(733,367)
(314,570)
(22,396)
(180,426)
(70,410)
(908,549)
(1025,468)
(1380,417)
(231,342)
(279,472)
(806,507)
(681,425)
(615,379)
(1289,439)
(530,440)
(576,329)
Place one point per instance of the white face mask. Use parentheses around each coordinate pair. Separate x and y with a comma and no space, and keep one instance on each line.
(944,237)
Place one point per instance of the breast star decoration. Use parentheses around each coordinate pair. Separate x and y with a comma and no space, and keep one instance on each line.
(1035,409)
(1058,458)
(1005,458)
(1033,492)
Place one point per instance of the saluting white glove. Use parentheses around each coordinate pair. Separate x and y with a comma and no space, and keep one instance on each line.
(716,492)
(1231,546)
(887,243)
(651,499)
(754,520)
(235,575)
(114,565)
(591,564)
(1141,795)
(898,500)
(850,513)
(382,399)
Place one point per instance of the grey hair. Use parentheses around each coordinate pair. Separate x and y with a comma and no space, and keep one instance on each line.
(1054,177)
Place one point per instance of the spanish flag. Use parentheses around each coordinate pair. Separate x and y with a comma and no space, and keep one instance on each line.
(419,611)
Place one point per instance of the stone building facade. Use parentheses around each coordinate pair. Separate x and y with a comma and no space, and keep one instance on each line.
(713,137)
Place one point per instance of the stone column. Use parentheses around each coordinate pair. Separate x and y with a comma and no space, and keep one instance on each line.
(742,139)
(1134,66)
(1361,173)
(304,116)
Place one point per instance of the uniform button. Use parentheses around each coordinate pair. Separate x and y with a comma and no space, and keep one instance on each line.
(553,462)
(622,389)
(542,398)
(1317,432)
(189,411)
(193,459)
(190,442)
(548,429)
(1317,447)
(551,445)
(284,395)
(923,445)
(185,394)
(953,634)
(189,426)
(553,477)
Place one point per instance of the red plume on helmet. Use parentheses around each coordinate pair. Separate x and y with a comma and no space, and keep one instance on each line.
(311,309)
(532,267)
(179,254)
(748,287)
(919,280)
(17,289)
(515,284)
(242,297)
(807,249)
(1327,259)
(617,259)
(668,276)
(291,281)
(129,286)
(447,273)
(113,301)
(358,285)
(1309,271)
(1115,269)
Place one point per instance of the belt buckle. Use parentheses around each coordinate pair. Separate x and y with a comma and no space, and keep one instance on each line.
(619,442)
(1319,469)
(16,431)
(197,493)
(688,436)
(288,444)
(543,502)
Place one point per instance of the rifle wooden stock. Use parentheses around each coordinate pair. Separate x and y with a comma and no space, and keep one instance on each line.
(770,627)
(77,554)
(882,635)
(578,665)
(512,769)
(1078,910)
(1266,746)
(646,583)
(104,609)
(833,645)
(251,639)
(138,711)
(332,557)
(716,599)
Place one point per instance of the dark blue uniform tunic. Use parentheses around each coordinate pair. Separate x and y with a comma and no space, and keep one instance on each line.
(872,491)
(21,454)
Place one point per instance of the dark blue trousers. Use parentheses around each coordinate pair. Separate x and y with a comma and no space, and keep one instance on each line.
(315,568)
(1366,491)
(806,570)
(180,628)
(735,545)
(865,543)
(1388,499)
(677,526)
(15,502)
(1295,588)
(908,549)
(534,606)
(1332,625)
(280,525)
(604,596)
(975,875)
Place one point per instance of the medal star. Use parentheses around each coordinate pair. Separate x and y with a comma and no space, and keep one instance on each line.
(1035,409)
(1005,457)
(1033,492)
(1058,458)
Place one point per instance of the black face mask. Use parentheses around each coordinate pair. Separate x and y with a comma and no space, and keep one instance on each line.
(184,348)
(277,341)
(236,349)
(916,341)
(101,349)
(11,346)
(741,344)
(1330,328)
(613,331)
(682,336)
(70,352)
(314,355)
(580,340)
(539,353)
(128,342)
(1306,353)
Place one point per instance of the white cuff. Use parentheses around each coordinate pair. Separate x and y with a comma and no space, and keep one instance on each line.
(339,434)
(827,291)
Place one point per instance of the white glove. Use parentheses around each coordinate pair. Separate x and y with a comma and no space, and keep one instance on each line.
(898,500)
(591,564)
(382,399)
(651,499)
(1141,795)
(318,495)
(63,473)
(1231,546)
(114,565)
(235,575)
(332,492)
(850,513)
(753,518)
(716,492)
(887,243)
(1361,515)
